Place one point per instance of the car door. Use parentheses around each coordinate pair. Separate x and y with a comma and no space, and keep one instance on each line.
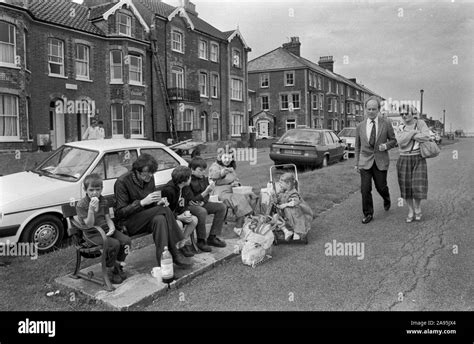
(166,164)
(330,145)
(338,147)
(112,165)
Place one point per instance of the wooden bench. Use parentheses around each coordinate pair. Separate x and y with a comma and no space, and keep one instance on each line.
(89,250)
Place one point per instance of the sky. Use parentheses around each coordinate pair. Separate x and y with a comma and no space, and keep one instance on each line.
(393,48)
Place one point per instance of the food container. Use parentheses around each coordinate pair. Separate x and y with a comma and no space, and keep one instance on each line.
(242,189)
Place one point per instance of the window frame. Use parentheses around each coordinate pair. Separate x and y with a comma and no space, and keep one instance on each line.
(142,114)
(285,80)
(128,25)
(214,87)
(290,121)
(17,121)
(267,75)
(235,125)
(62,64)
(205,84)
(267,102)
(214,44)
(203,52)
(139,72)
(177,75)
(240,92)
(173,41)
(113,120)
(283,101)
(239,55)
(87,62)
(14,45)
(113,65)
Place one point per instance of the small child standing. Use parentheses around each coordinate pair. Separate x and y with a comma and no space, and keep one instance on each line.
(296,213)
(93,210)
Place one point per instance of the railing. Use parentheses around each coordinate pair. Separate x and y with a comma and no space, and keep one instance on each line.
(184,94)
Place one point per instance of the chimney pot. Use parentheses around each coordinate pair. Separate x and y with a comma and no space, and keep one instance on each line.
(293,46)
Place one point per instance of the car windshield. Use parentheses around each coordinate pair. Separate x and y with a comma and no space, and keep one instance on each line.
(347,132)
(67,163)
(301,136)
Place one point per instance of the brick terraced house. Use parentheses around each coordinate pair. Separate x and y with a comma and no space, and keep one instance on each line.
(289,91)
(143,67)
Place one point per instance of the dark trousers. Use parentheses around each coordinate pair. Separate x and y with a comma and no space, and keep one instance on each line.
(218,209)
(116,246)
(380,180)
(159,221)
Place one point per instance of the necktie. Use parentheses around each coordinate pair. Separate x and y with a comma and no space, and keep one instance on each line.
(372,135)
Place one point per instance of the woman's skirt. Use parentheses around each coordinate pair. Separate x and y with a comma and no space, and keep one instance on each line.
(412,176)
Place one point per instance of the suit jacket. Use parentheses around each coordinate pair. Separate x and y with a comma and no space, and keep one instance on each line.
(366,155)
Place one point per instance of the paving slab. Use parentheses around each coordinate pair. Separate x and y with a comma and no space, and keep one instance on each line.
(141,288)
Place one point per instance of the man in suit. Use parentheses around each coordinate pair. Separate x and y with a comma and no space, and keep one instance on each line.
(374,137)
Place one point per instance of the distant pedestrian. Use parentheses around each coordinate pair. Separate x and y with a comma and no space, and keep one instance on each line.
(374,137)
(101,131)
(94,132)
(411,166)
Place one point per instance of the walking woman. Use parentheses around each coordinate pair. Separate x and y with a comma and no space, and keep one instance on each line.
(411,166)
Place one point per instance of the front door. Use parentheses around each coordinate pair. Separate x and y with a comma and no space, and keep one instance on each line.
(203,128)
(82,124)
(57,128)
(215,129)
(263,128)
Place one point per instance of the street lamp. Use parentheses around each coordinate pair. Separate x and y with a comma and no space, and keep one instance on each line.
(421,105)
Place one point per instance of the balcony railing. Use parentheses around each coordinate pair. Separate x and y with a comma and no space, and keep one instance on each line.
(184,94)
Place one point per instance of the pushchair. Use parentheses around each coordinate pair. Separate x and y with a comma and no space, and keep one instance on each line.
(275,172)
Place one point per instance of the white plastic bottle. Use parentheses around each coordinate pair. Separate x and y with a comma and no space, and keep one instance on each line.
(167,273)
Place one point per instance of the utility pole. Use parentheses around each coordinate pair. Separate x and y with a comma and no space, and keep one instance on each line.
(421,105)
(444,122)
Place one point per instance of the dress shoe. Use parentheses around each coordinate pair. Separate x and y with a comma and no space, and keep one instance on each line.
(186,251)
(215,241)
(203,246)
(367,219)
(387,205)
(181,261)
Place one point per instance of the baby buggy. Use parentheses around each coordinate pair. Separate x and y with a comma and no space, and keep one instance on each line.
(286,222)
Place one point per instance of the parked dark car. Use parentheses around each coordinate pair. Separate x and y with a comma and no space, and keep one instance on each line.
(308,147)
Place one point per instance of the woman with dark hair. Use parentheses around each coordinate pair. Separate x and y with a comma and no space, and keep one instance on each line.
(223,173)
(143,210)
(411,166)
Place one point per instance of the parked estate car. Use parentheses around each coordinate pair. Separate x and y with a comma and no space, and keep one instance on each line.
(30,203)
(348,134)
(308,147)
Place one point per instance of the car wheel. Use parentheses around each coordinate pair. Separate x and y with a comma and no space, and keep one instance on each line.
(47,231)
(325,161)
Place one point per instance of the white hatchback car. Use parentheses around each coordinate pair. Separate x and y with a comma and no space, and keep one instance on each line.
(348,134)
(30,201)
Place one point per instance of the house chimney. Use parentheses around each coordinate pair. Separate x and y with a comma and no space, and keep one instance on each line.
(293,46)
(189,7)
(326,62)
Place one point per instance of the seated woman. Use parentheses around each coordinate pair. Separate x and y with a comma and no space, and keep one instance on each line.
(292,209)
(223,173)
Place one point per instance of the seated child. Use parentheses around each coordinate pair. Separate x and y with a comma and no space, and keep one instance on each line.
(93,210)
(292,209)
(178,203)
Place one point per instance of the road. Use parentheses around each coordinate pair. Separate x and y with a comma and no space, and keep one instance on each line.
(422,266)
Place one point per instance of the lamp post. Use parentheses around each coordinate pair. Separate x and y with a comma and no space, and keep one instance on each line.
(421,105)
(444,122)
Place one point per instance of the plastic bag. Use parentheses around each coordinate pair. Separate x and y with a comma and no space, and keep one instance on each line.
(258,240)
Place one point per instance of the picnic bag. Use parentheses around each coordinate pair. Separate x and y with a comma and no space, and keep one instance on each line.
(258,240)
(429,149)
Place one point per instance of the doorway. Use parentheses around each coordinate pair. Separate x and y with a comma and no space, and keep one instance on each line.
(263,129)
(57,128)
(215,132)
(204,126)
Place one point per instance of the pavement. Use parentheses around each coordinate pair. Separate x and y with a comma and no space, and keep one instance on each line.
(141,288)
